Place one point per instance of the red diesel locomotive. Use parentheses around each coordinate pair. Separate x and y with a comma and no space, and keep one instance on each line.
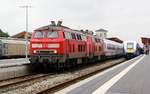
(56,44)
(61,46)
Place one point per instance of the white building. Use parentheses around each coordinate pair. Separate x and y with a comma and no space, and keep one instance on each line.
(101,33)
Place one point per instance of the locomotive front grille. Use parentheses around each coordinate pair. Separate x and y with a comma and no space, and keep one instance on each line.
(45,52)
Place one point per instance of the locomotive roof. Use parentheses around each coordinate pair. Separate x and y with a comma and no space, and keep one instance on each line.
(65,28)
(52,27)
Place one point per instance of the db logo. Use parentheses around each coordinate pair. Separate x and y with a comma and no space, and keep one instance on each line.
(44,45)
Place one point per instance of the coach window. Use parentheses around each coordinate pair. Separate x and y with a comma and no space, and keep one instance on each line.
(39,34)
(5,52)
(6,45)
(108,46)
(99,40)
(52,34)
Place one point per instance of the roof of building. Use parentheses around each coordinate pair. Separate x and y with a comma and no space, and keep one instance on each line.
(145,40)
(115,39)
(21,35)
(101,30)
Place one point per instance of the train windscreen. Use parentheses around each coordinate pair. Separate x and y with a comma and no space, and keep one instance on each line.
(39,34)
(129,45)
(52,34)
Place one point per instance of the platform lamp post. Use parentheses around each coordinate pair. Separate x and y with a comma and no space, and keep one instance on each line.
(26,34)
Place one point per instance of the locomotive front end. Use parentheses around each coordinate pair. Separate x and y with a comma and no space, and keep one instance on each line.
(46,47)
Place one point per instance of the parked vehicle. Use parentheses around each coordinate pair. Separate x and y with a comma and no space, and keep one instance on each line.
(12,47)
(131,49)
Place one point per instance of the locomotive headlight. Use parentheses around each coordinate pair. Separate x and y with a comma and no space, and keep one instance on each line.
(53,45)
(34,51)
(55,51)
(36,45)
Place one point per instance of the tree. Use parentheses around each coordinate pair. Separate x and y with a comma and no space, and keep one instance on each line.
(3,34)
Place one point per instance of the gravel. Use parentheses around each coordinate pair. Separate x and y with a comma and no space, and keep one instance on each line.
(60,78)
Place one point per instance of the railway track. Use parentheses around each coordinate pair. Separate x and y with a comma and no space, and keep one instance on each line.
(66,83)
(9,83)
(50,83)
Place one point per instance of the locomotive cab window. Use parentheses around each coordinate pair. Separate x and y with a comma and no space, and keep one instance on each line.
(129,45)
(52,34)
(39,34)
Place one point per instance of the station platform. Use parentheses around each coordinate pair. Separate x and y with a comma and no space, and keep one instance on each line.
(130,77)
(13,62)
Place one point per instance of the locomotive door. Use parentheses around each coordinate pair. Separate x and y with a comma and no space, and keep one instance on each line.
(89,46)
(67,43)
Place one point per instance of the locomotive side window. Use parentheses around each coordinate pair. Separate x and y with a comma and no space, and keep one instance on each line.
(63,35)
(52,34)
(39,34)
(84,38)
(79,37)
(93,39)
(67,35)
(73,36)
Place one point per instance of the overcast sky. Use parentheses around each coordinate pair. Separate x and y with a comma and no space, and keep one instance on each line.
(126,19)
